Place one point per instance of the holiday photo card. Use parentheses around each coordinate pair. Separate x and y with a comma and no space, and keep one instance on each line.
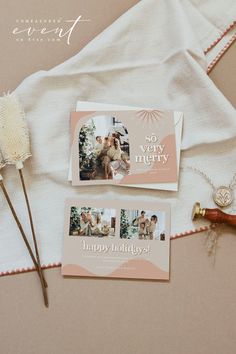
(123,147)
(106,239)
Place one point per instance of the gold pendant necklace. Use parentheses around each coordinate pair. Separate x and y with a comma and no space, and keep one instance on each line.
(222,196)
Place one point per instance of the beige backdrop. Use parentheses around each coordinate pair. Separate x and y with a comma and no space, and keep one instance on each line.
(194,313)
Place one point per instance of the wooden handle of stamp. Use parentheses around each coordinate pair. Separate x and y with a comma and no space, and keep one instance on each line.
(216,216)
(219,217)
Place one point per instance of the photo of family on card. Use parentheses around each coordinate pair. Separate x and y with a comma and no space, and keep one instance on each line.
(92,222)
(142,225)
(103,149)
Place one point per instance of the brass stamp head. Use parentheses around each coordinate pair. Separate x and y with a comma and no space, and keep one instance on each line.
(197,212)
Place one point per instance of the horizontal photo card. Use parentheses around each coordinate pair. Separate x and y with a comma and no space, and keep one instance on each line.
(178,122)
(116,239)
(123,147)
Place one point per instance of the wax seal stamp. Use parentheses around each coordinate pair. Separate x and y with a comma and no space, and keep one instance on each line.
(223,196)
(216,216)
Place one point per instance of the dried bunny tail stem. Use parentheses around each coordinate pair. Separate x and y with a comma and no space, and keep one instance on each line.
(42,280)
(19,166)
(19,225)
(14,133)
(15,149)
(2,162)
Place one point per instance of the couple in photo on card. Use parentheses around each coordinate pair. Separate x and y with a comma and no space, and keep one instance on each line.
(146,227)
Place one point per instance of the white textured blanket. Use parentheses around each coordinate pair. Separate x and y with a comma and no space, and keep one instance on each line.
(152,56)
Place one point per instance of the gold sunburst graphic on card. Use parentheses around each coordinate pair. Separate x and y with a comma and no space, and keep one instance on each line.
(150,115)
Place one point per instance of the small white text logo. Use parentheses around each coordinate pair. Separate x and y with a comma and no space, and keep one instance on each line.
(46,30)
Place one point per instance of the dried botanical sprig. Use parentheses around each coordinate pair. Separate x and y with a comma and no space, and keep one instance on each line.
(19,225)
(2,162)
(15,149)
(14,133)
